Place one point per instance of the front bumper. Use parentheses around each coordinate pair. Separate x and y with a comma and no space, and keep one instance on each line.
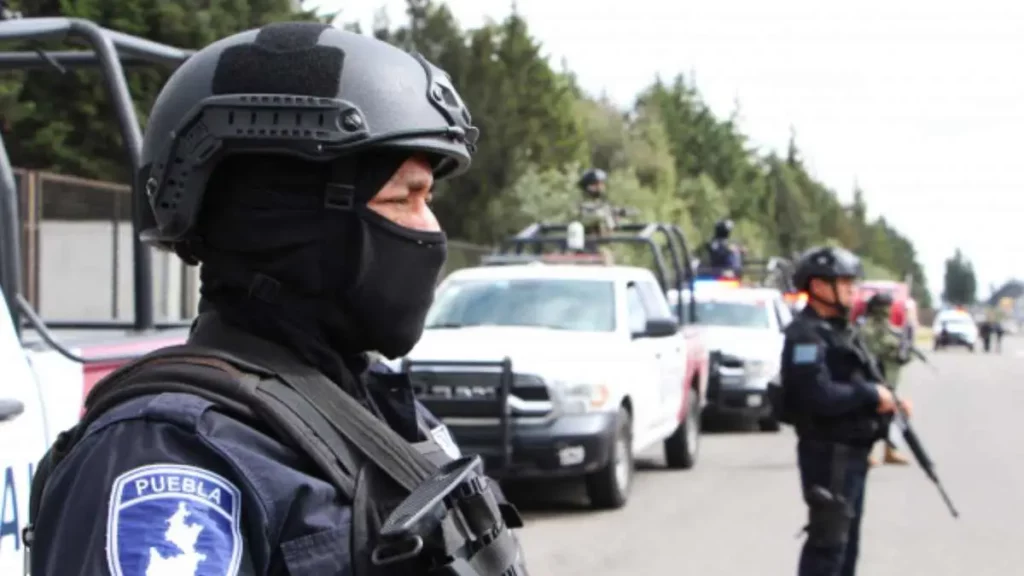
(731,392)
(566,446)
(954,338)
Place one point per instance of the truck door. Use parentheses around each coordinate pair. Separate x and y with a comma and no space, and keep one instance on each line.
(672,361)
(647,356)
(22,443)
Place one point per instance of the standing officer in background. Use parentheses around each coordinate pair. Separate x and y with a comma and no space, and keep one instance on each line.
(883,341)
(595,211)
(723,255)
(835,410)
(295,163)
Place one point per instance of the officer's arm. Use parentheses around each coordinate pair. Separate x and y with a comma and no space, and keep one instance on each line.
(803,366)
(140,496)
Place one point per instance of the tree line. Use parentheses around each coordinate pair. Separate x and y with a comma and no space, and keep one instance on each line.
(669,155)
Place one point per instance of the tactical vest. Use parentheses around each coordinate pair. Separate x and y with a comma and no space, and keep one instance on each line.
(719,254)
(855,428)
(415,510)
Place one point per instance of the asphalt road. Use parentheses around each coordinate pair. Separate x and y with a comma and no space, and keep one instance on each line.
(739,510)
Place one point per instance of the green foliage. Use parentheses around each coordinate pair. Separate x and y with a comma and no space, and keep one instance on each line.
(960,286)
(669,156)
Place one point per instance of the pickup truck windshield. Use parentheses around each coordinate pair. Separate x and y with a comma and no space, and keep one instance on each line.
(577,305)
(733,314)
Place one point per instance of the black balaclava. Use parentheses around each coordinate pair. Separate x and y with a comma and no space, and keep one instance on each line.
(291,252)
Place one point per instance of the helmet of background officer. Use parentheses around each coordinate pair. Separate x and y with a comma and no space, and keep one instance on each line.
(879,305)
(829,276)
(294,162)
(593,183)
(723,228)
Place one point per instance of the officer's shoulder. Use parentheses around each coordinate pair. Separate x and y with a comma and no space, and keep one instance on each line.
(168,407)
(802,329)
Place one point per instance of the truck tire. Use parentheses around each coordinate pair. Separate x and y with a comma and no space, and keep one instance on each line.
(769,425)
(608,488)
(682,447)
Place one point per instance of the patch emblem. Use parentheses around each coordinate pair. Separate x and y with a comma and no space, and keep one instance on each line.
(172,519)
(805,354)
(444,439)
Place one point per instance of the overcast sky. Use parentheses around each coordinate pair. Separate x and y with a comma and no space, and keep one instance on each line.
(921,102)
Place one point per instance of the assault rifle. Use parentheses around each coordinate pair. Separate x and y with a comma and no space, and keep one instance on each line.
(908,349)
(902,420)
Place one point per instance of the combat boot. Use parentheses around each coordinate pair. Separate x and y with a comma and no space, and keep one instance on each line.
(893,456)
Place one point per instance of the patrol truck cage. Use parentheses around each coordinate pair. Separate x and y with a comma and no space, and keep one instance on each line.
(676,272)
(481,396)
(111,51)
(772,272)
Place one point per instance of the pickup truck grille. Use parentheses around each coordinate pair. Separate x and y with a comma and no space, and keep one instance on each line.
(718,358)
(452,384)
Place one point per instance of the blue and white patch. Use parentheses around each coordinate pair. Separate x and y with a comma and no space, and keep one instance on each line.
(172,519)
(805,354)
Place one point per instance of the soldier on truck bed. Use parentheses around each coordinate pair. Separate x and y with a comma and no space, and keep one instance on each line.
(723,255)
(598,216)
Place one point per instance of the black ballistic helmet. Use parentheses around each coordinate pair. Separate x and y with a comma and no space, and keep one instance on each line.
(303,90)
(592,176)
(723,228)
(827,263)
(881,300)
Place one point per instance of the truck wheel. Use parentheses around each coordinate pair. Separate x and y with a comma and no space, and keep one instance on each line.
(682,446)
(769,425)
(608,488)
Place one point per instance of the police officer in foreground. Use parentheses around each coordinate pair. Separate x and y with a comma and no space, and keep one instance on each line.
(294,163)
(884,342)
(836,410)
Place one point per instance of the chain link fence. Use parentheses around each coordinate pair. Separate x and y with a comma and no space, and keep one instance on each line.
(76,248)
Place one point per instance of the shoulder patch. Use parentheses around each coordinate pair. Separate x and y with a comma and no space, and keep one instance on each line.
(805,354)
(173,519)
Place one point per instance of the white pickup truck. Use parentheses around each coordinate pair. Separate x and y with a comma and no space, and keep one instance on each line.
(41,394)
(743,327)
(559,370)
(42,388)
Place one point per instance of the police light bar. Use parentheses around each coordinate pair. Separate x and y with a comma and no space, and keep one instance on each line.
(715,283)
(794,297)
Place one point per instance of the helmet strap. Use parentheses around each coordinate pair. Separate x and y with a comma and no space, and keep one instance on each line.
(840,309)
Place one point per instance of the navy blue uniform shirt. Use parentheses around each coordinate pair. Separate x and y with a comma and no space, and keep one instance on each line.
(823,382)
(166,485)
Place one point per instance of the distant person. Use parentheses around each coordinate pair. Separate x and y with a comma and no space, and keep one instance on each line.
(724,256)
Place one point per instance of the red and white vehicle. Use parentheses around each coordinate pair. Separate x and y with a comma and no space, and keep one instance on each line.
(46,374)
(903,314)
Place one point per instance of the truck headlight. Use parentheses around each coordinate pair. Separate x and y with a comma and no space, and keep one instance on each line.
(759,368)
(579,397)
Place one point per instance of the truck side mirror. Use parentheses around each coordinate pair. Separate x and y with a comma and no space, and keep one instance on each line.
(659,328)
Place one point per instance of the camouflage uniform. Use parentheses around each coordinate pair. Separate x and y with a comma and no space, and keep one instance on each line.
(596,214)
(883,341)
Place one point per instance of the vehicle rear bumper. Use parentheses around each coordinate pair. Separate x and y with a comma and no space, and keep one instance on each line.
(743,402)
(737,399)
(571,445)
